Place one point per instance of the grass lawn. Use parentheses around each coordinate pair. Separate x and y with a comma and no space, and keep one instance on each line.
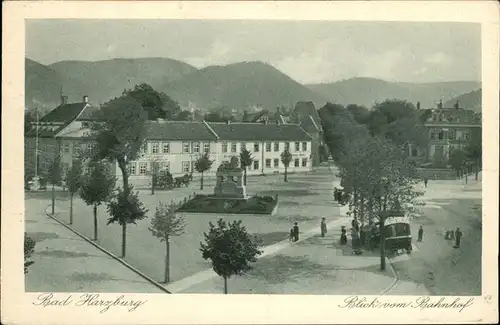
(305,199)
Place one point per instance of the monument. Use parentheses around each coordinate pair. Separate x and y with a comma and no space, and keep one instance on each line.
(230,181)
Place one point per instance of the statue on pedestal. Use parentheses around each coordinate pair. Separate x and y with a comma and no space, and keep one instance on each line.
(230,180)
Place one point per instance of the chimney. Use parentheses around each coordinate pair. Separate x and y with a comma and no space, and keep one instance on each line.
(418,105)
(64,100)
(228,122)
(85,99)
(457,105)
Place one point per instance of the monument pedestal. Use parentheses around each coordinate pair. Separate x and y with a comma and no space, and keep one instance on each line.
(230,185)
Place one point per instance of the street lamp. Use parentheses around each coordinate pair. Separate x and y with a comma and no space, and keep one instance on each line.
(381,192)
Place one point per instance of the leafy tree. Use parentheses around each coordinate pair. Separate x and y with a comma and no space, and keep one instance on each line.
(156,104)
(96,187)
(201,165)
(286,159)
(125,208)
(54,177)
(246,160)
(457,161)
(165,224)
(474,151)
(29,249)
(230,248)
(120,133)
(360,113)
(73,181)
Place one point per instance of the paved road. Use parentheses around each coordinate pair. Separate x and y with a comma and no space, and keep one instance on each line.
(435,267)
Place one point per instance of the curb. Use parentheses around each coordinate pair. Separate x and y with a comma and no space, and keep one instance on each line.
(394,274)
(133,269)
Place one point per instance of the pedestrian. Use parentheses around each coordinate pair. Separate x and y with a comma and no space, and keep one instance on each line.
(323,227)
(420,233)
(458,236)
(425,181)
(355,224)
(295,232)
(292,235)
(343,236)
(355,242)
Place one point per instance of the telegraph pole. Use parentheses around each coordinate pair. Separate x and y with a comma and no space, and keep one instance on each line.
(36,143)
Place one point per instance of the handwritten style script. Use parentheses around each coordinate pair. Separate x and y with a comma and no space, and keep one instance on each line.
(421,303)
(88,300)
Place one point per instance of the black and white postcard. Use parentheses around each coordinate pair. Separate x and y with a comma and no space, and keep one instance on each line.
(250,162)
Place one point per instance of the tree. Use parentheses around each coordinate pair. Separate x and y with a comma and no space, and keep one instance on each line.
(474,151)
(54,175)
(125,208)
(156,104)
(73,181)
(96,187)
(246,160)
(182,116)
(201,165)
(29,249)
(457,161)
(230,248)
(119,136)
(165,224)
(286,159)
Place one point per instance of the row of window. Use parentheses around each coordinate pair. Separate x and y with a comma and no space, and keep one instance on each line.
(141,168)
(450,135)
(268,145)
(186,147)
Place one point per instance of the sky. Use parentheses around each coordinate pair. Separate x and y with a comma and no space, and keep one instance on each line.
(307,51)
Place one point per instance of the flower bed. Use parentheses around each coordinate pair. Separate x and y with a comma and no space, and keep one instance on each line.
(213,204)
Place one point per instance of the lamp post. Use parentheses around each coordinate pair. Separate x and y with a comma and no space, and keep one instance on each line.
(382,189)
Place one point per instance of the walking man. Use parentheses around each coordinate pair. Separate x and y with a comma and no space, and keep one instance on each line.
(425,181)
(295,232)
(323,227)
(458,236)
(420,233)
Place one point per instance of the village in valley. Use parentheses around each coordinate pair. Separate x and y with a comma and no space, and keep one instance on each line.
(154,189)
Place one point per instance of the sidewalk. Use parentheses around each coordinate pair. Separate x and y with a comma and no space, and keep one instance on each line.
(64,262)
(314,265)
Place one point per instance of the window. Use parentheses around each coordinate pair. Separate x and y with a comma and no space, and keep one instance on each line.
(89,148)
(196,147)
(297,146)
(268,146)
(233,147)
(155,147)
(144,148)
(66,147)
(132,168)
(297,162)
(441,135)
(256,147)
(304,146)
(433,135)
(142,168)
(165,166)
(166,147)
(185,166)
(76,150)
(276,163)
(276,146)
(255,164)
(304,162)
(224,146)
(185,147)
(268,163)
(206,147)
(287,146)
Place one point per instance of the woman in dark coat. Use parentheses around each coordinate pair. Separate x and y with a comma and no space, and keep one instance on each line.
(343,236)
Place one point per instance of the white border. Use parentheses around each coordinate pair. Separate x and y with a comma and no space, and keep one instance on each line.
(255,309)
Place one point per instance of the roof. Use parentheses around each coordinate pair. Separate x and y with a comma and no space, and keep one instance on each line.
(88,113)
(310,125)
(45,130)
(64,113)
(304,109)
(259,132)
(178,130)
(453,116)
